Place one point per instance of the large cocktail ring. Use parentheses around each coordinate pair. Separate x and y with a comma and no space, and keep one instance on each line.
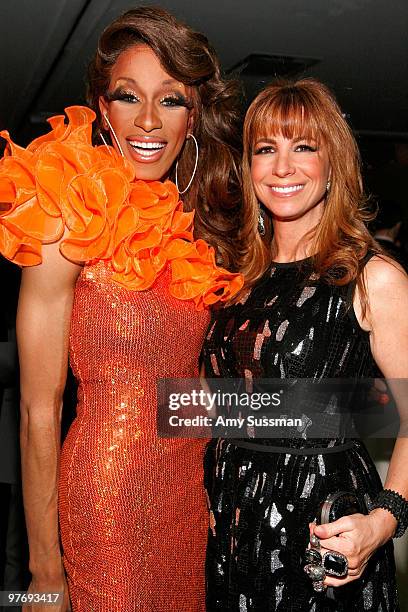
(335,564)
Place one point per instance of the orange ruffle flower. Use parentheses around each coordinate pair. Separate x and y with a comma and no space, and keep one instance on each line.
(61,188)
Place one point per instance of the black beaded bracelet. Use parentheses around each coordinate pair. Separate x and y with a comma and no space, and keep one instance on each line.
(397,505)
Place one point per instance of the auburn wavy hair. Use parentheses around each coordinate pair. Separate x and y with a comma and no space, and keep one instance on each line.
(187,56)
(307,109)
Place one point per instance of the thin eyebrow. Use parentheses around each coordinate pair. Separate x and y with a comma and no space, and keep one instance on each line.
(130,80)
(170,82)
(273,141)
(268,140)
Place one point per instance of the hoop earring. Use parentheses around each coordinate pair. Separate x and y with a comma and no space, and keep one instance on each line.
(102,137)
(195,166)
(113,134)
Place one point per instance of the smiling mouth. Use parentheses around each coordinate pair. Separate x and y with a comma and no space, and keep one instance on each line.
(147,149)
(287,190)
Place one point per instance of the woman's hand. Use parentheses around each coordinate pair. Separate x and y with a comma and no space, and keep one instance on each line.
(56,585)
(357,537)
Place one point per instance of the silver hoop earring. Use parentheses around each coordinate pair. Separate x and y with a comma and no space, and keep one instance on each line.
(102,137)
(114,135)
(261,222)
(195,166)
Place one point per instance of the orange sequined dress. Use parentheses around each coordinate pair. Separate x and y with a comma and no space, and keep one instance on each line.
(132,510)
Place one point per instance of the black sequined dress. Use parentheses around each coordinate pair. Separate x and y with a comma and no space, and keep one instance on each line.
(291,325)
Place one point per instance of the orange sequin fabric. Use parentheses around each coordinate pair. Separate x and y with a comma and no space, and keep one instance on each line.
(132,508)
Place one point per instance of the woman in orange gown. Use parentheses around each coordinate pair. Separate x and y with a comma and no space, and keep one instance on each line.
(114,277)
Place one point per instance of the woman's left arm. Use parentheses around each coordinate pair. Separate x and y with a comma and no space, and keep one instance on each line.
(386,319)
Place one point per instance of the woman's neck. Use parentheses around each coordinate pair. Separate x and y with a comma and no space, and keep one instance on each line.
(293,239)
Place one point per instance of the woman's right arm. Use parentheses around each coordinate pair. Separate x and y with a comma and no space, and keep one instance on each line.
(43,320)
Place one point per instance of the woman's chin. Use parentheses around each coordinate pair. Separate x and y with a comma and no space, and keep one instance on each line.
(148,172)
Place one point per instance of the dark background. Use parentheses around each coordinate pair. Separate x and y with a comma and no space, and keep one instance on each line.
(358,47)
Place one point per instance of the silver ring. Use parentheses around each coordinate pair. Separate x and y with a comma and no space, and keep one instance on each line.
(314,541)
(313,556)
(319,586)
(317,573)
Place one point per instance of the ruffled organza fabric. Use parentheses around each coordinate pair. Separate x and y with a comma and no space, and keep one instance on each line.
(61,188)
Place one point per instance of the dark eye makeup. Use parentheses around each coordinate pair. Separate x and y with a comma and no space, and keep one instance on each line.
(170,100)
(306,147)
(261,150)
(122,95)
(176,100)
(270,148)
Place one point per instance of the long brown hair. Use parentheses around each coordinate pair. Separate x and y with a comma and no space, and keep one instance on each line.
(186,55)
(306,108)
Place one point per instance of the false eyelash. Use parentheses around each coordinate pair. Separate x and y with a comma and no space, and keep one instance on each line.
(179,100)
(308,147)
(119,94)
(259,150)
(122,94)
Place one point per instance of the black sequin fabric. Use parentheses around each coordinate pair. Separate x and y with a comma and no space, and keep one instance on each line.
(290,325)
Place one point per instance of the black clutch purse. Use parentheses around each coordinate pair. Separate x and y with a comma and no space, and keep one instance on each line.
(336,505)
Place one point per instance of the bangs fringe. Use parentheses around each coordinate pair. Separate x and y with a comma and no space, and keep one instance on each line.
(289,113)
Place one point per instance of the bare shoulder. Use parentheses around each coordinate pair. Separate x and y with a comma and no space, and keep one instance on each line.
(386,283)
(381,271)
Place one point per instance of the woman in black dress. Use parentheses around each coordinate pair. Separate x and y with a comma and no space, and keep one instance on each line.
(319,302)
